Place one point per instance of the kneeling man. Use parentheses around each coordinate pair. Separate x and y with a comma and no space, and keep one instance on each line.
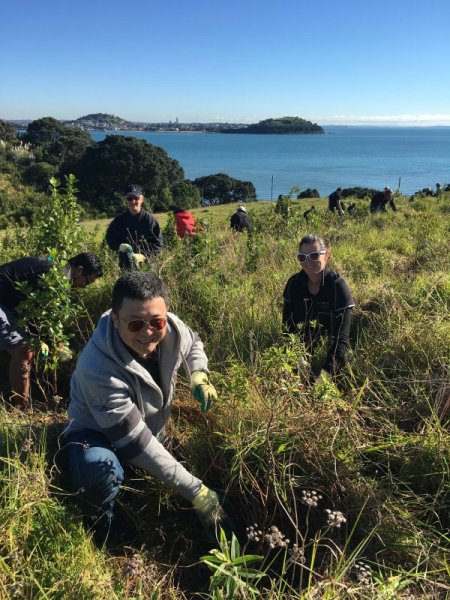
(121,394)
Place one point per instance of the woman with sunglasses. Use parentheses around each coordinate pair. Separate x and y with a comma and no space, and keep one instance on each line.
(317,302)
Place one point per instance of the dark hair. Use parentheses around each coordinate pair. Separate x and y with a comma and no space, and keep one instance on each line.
(138,285)
(311,238)
(90,262)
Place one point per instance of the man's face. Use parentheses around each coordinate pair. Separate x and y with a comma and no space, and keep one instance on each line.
(78,278)
(141,324)
(134,203)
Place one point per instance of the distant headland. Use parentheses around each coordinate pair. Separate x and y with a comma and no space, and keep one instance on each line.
(107,122)
(285,125)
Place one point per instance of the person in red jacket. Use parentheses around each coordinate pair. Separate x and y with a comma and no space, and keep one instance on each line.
(184,222)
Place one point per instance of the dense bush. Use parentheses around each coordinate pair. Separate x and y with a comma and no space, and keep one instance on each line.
(223,189)
(308,193)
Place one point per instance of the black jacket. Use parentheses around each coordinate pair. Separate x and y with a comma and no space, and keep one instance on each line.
(329,308)
(27,269)
(380,202)
(141,231)
(240,221)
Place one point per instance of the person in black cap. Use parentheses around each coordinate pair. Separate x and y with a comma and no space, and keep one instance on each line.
(135,227)
(81,270)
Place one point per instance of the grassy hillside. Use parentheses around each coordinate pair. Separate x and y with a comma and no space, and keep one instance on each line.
(374,449)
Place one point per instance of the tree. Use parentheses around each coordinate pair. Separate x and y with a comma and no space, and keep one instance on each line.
(109,166)
(39,174)
(57,143)
(223,189)
(8,132)
(185,195)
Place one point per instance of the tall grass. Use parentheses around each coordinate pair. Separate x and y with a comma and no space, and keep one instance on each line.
(355,475)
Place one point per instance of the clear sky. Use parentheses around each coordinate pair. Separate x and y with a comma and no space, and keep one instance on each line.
(330,61)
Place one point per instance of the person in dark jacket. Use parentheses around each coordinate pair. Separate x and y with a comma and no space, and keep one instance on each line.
(351,208)
(318,301)
(308,213)
(136,227)
(381,199)
(335,202)
(81,270)
(240,220)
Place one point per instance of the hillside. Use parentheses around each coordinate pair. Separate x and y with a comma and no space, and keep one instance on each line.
(283,125)
(101,121)
(292,459)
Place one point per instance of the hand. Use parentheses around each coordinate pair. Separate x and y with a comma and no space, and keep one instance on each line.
(208,507)
(202,390)
(64,353)
(138,259)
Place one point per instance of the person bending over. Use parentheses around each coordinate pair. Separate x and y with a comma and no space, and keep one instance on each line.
(121,396)
(81,270)
(319,302)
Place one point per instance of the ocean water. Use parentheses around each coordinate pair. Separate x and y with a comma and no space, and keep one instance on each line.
(344,156)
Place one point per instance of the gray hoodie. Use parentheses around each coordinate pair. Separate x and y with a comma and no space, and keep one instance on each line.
(112,393)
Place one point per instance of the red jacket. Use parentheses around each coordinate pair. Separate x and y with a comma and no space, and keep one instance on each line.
(184,223)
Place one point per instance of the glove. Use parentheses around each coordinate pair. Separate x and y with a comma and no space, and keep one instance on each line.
(64,353)
(138,259)
(322,378)
(125,248)
(44,349)
(202,390)
(208,507)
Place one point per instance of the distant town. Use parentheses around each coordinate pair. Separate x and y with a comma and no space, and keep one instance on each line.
(106,122)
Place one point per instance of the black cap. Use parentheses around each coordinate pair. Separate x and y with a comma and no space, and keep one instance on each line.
(135,190)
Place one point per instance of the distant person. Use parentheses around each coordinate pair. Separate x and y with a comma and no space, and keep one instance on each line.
(81,270)
(184,222)
(438,188)
(318,302)
(308,213)
(240,220)
(351,208)
(335,202)
(136,227)
(380,201)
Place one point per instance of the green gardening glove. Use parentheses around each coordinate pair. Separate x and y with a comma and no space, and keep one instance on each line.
(202,390)
(208,507)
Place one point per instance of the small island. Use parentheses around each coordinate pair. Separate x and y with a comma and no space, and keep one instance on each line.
(287,125)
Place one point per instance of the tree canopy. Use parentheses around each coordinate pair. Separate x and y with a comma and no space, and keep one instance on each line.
(8,132)
(109,166)
(57,143)
(223,189)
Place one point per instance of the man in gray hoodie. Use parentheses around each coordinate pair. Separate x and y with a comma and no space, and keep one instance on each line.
(121,394)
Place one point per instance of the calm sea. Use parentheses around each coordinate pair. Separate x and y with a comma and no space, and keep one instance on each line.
(345,156)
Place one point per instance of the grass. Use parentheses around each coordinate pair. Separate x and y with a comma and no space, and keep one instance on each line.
(375,448)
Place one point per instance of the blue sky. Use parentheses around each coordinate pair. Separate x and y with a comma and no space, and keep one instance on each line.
(333,61)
